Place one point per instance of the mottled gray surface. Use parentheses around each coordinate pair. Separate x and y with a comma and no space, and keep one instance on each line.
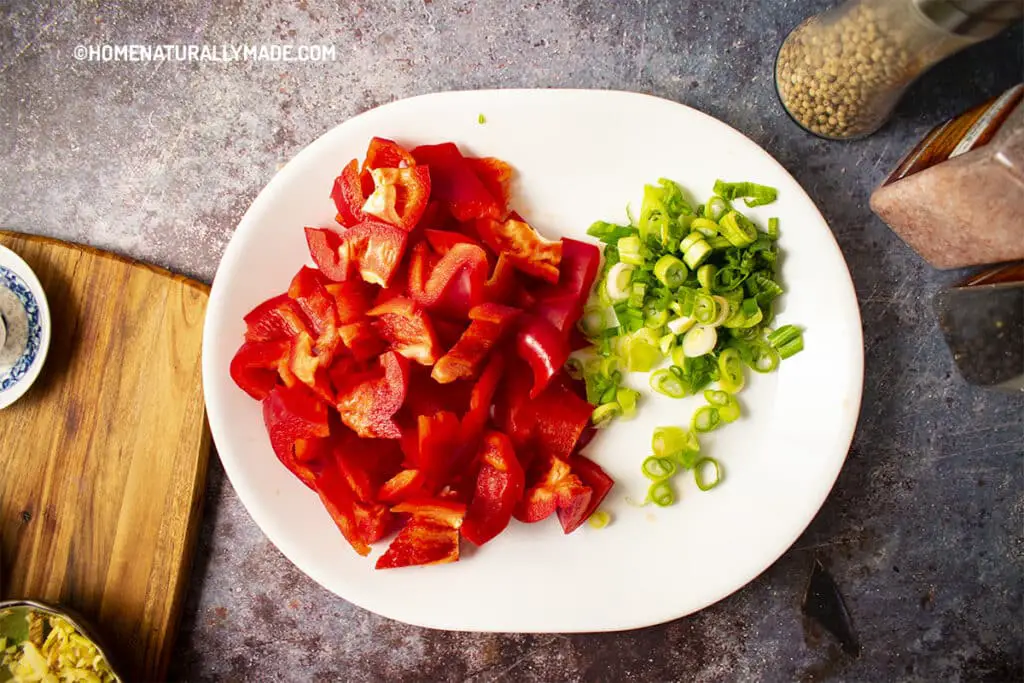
(158,161)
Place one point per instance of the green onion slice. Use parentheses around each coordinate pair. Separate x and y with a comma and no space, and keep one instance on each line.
(730,370)
(658,469)
(738,229)
(604,414)
(704,226)
(699,474)
(752,193)
(670,271)
(599,519)
(705,419)
(661,494)
(665,382)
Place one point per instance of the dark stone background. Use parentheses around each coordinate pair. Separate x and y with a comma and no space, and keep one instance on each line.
(923,531)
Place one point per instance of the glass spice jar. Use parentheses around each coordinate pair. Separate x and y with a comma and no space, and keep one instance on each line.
(840,74)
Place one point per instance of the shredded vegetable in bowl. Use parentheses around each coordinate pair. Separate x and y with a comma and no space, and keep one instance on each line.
(694,286)
(50,650)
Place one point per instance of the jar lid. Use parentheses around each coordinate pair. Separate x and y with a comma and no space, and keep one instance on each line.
(972,18)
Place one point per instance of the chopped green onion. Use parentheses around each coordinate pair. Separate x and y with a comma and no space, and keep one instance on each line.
(728,278)
(666,343)
(667,441)
(618,280)
(706,276)
(730,371)
(661,494)
(727,405)
(630,250)
(765,359)
(641,355)
(716,208)
(697,253)
(594,321)
(599,519)
(773,228)
(666,383)
(698,474)
(658,468)
(724,311)
(656,320)
(680,325)
(752,193)
(670,271)
(610,233)
(791,348)
(604,414)
(705,308)
(481,119)
(738,229)
(626,398)
(783,335)
(574,368)
(699,341)
(705,419)
(688,241)
(719,242)
(704,226)
(636,295)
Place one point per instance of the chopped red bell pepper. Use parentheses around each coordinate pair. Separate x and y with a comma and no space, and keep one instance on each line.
(502,284)
(351,299)
(591,474)
(543,347)
(359,522)
(482,397)
(452,284)
(365,463)
(442,241)
(499,488)
(372,249)
(308,367)
(528,251)
(427,397)
(408,329)
(495,174)
(348,195)
(438,447)
(554,486)
(292,414)
(513,411)
(362,340)
(421,542)
(399,195)
(561,418)
(405,485)
(454,182)
(254,368)
(437,217)
(561,311)
(384,153)
(308,290)
(367,402)
(279,317)
(489,323)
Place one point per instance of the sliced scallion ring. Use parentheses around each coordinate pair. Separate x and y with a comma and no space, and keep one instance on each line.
(700,474)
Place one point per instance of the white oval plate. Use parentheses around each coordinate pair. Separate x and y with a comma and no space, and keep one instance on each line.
(580,156)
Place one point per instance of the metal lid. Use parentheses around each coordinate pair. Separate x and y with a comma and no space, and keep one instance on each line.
(972,18)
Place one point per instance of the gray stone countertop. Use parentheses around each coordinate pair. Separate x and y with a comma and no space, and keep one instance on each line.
(923,531)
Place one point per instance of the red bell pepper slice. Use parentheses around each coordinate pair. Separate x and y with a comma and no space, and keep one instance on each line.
(528,251)
(437,217)
(489,323)
(555,486)
(254,367)
(591,474)
(351,299)
(502,283)
(427,397)
(290,415)
(431,536)
(499,488)
(399,195)
(308,290)
(452,284)
(309,368)
(362,340)
(513,412)
(384,153)
(561,418)
(495,174)
(438,448)
(348,195)
(405,485)
(372,249)
(442,241)
(561,311)
(482,397)
(543,347)
(454,182)
(360,523)
(367,402)
(279,317)
(407,328)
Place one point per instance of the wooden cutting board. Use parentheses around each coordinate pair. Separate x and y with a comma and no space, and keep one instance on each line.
(103,461)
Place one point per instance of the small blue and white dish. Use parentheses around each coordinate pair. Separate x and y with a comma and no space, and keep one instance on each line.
(24,327)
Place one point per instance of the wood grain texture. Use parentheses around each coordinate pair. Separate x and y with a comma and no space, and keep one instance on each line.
(104,459)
